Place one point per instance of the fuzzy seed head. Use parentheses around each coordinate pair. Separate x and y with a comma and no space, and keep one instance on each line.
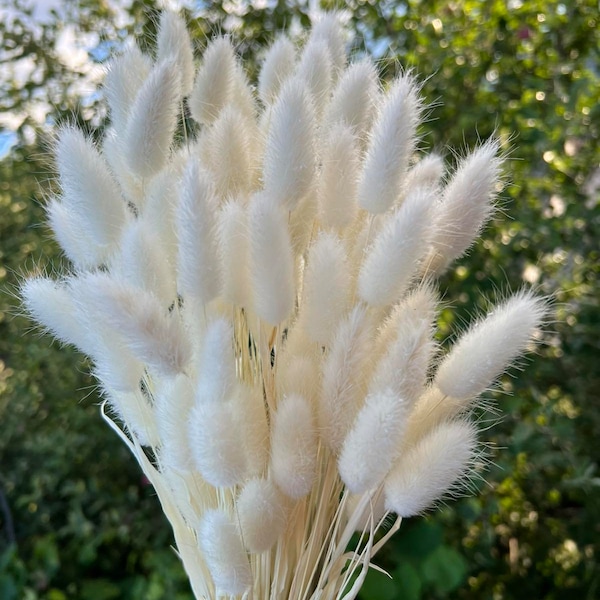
(434,467)
(67,230)
(197,261)
(214,440)
(214,82)
(272,262)
(173,404)
(289,166)
(92,200)
(228,157)
(152,121)
(326,285)
(355,97)
(327,28)
(294,447)
(50,304)
(315,69)
(233,247)
(343,384)
(371,445)
(276,68)
(142,262)
(125,76)
(466,205)
(428,172)
(337,184)
(224,553)
(153,335)
(490,346)
(262,514)
(216,372)
(392,260)
(174,44)
(251,420)
(392,143)
(406,342)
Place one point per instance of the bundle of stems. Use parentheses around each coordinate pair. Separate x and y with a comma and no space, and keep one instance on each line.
(252,272)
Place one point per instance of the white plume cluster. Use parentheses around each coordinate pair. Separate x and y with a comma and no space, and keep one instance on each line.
(255,287)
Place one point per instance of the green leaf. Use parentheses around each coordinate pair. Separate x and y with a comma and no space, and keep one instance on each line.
(378,586)
(408,582)
(445,569)
(419,539)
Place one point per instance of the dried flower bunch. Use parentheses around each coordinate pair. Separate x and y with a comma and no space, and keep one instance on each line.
(254,285)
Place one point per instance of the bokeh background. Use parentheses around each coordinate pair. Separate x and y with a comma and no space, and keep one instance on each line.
(77,519)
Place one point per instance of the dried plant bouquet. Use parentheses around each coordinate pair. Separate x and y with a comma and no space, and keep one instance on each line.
(252,274)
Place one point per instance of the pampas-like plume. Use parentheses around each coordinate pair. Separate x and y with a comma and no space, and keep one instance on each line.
(490,346)
(371,445)
(255,293)
(142,262)
(154,336)
(173,44)
(233,244)
(408,347)
(124,78)
(337,185)
(391,146)
(89,192)
(152,120)
(173,403)
(435,466)
(113,149)
(222,547)
(228,153)
(215,444)
(394,256)
(272,263)
(277,66)
(78,248)
(290,163)
(51,305)
(214,84)
(326,287)
(466,205)
(251,418)
(197,260)
(354,97)
(342,370)
(327,28)
(262,514)
(315,69)
(294,447)
(216,373)
(428,172)
(243,95)
(54,305)
(158,207)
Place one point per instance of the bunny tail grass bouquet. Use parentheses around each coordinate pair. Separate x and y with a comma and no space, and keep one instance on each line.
(252,274)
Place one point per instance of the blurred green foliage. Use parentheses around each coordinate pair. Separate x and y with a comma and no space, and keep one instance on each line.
(77,520)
